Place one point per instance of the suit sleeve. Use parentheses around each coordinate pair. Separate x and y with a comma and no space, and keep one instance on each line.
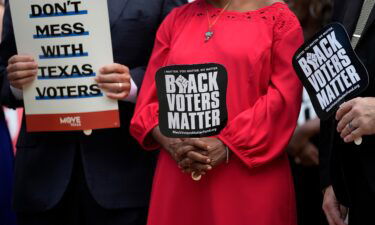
(7,50)
(326,144)
(138,73)
(260,134)
(147,108)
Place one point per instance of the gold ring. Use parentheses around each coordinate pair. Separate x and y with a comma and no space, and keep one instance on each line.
(195,176)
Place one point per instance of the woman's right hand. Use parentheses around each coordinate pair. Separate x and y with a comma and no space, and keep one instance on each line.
(179,148)
(22,70)
(169,144)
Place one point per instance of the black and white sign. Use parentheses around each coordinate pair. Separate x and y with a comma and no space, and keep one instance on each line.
(330,70)
(192,100)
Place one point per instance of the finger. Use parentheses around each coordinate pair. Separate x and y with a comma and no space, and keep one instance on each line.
(344,108)
(118,96)
(354,135)
(344,121)
(333,216)
(346,131)
(197,143)
(338,220)
(187,170)
(114,68)
(20,58)
(20,75)
(336,215)
(115,87)
(349,130)
(197,157)
(21,66)
(22,82)
(185,163)
(329,219)
(113,78)
(181,151)
(200,167)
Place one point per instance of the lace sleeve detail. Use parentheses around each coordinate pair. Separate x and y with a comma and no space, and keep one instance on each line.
(285,22)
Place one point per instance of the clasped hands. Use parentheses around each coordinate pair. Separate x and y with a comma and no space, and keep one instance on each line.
(198,155)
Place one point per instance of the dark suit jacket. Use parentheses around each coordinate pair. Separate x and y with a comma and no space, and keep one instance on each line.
(118,172)
(340,160)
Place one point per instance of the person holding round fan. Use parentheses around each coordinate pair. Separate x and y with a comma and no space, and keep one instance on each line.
(242,175)
(347,139)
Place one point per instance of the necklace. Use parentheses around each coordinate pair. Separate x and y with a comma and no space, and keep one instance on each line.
(210,33)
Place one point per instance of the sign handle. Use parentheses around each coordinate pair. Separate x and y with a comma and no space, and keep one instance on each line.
(87,132)
(358,141)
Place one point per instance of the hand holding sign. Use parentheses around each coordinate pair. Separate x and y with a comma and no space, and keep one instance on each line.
(22,70)
(356,118)
(62,36)
(114,79)
(331,72)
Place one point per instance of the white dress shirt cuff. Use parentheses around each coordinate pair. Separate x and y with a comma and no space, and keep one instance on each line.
(17,93)
(132,97)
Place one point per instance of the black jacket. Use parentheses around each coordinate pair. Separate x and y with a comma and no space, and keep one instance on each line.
(118,172)
(340,162)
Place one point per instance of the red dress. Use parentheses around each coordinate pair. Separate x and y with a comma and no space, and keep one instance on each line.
(263,100)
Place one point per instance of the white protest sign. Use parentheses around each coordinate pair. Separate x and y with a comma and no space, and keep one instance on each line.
(70,40)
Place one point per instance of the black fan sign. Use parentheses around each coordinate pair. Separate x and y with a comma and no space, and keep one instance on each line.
(330,70)
(192,99)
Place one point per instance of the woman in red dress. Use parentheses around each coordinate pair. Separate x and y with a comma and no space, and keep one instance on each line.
(255,41)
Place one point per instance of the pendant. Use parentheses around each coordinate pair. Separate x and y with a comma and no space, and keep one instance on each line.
(209,35)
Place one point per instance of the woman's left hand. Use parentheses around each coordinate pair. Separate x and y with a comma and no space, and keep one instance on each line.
(356,118)
(216,152)
(114,79)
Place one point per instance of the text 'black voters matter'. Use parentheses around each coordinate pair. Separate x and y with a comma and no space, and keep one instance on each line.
(330,70)
(192,99)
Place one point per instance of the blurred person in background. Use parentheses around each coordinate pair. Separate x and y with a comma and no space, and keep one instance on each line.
(303,147)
